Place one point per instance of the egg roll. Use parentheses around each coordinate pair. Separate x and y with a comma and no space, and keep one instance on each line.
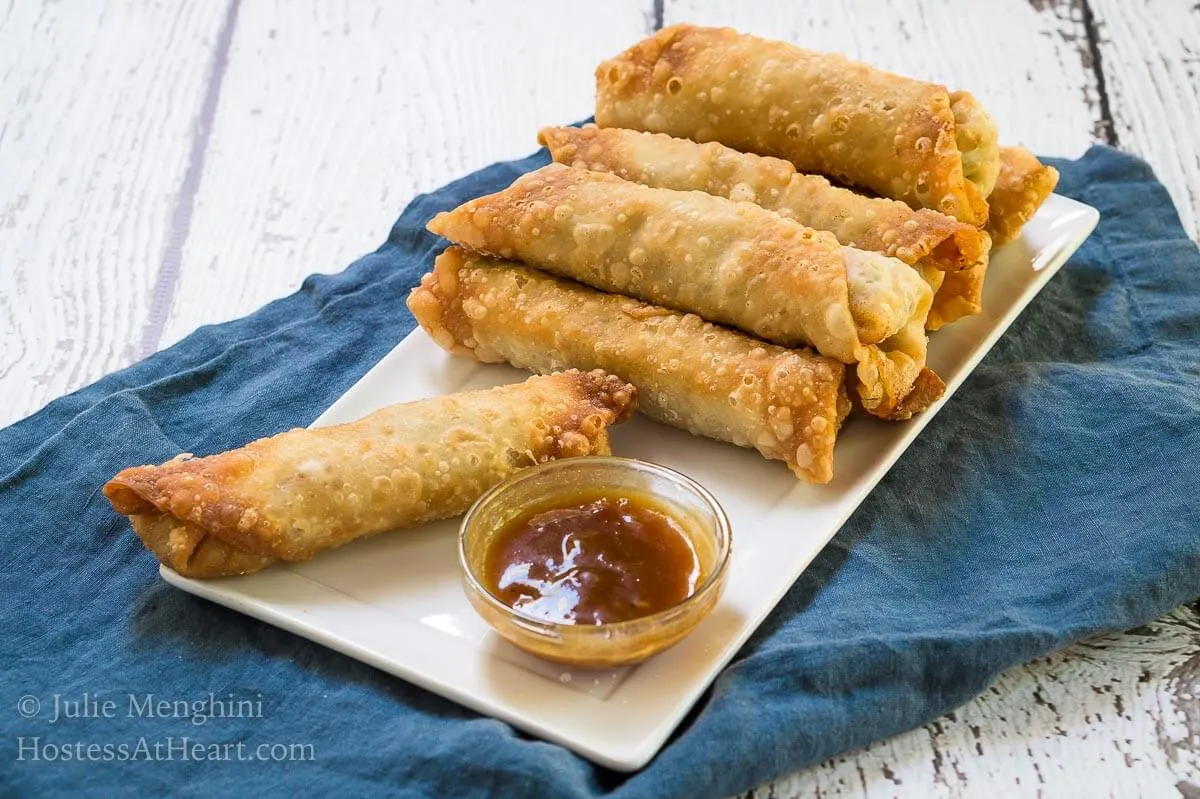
(934,277)
(916,237)
(1023,185)
(730,263)
(960,293)
(691,374)
(901,138)
(293,495)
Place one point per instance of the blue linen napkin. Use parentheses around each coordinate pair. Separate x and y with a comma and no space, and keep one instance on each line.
(1054,498)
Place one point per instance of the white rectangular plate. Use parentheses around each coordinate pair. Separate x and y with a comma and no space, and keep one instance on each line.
(395,601)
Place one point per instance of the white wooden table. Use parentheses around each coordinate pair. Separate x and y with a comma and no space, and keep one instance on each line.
(165,165)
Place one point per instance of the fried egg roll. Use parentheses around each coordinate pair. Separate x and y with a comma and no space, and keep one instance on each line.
(960,293)
(691,374)
(731,263)
(901,138)
(920,237)
(1023,185)
(288,497)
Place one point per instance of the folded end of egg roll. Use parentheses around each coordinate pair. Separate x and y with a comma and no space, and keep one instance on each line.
(891,303)
(927,389)
(960,293)
(290,496)
(978,141)
(885,295)
(893,381)
(189,550)
(1023,185)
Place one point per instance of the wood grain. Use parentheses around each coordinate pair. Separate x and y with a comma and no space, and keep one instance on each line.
(99,106)
(1015,58)
(1101,718)
(1150,56)
(334,115)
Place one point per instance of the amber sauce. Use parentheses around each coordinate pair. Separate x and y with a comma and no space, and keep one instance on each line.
(593,558)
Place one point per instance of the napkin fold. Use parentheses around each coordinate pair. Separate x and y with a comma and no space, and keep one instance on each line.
(1053,498)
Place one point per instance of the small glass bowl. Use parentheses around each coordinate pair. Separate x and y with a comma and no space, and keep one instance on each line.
(597,645)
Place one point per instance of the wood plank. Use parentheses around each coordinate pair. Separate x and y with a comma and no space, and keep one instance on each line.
(1150,58)
(100,106)
(333,116)
(975,49)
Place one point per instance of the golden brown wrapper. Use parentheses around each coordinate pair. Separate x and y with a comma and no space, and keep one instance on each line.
(960,293)
(928,388)
(916,237)
(731,263)
(1023,185)
(290,496)
(901,138)
(978,141)
(710,381)
(728,263)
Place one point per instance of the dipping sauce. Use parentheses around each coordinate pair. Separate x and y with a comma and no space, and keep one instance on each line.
(593,557)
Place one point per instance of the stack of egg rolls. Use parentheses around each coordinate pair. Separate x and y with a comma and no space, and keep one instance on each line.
(688,219)
(897,137)
(731,263)
(291,496)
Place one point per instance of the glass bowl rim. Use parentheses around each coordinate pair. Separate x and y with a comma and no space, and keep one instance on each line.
(711,582)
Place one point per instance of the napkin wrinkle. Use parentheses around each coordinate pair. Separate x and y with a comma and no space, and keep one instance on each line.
(1052,499)
(134,414)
